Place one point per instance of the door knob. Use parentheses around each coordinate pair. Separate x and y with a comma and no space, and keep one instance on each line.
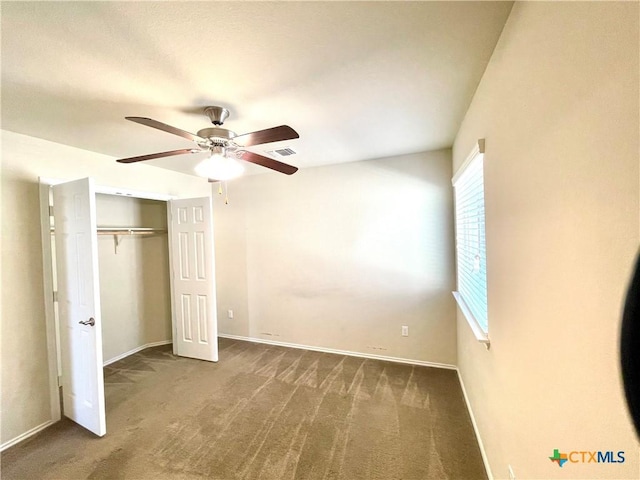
(91,322)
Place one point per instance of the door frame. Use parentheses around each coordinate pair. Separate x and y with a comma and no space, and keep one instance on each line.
(51,321)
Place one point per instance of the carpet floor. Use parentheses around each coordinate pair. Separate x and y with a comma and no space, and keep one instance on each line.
(263,412)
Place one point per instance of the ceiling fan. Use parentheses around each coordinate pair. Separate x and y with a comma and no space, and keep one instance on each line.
(224,146)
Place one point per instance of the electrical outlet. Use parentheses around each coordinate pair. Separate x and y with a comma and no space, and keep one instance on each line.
(230,314)
(512,476)
(405,331)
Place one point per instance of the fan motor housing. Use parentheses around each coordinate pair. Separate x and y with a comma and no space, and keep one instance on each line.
(213,133)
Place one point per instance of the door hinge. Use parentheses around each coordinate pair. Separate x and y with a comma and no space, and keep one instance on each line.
(55,297)
(51,210)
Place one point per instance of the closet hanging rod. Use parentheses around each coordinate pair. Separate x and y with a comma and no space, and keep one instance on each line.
(126,231)
(130,231)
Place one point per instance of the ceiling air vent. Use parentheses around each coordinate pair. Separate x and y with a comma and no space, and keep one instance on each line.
(282,152)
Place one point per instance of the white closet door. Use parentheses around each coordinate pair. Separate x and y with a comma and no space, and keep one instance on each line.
(193,279)
(79,304)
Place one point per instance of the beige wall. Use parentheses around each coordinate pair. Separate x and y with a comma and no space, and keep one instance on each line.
(23,354)
(558,106)
(341,257)
(135,298)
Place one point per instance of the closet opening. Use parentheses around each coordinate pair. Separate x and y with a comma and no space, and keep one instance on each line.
(123,271)
(133,263)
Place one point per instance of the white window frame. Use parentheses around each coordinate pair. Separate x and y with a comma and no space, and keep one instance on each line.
(480,332)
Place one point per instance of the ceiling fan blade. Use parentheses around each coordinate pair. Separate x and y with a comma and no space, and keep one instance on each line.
(164,127)
(275,134)
(151,156)
(267,162)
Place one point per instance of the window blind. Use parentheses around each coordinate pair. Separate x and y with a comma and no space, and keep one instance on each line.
(470,239)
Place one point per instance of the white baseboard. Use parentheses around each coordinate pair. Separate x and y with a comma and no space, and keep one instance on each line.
(483,452)
(26,435)
(135,350)
(340,352)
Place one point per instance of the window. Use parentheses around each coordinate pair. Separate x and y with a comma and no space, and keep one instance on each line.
(471,252)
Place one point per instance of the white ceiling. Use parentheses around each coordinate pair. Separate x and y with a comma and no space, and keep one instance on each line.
(357,80)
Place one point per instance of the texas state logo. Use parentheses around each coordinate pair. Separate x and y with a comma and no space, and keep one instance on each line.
(559,458)
(579,456)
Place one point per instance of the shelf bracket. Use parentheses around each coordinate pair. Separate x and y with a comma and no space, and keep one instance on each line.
(116,243)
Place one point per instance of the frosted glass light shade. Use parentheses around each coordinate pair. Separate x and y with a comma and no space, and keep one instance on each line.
(219,167)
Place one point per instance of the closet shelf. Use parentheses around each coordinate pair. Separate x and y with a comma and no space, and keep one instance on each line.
(117,232)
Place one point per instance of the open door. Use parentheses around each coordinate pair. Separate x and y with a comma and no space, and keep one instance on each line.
(79,304)
(195,325)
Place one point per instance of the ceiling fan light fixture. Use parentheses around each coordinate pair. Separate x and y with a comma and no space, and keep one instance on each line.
(220,142)
(218,166)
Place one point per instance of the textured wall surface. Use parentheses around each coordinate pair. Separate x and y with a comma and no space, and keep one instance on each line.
(558,106)
(342,256)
